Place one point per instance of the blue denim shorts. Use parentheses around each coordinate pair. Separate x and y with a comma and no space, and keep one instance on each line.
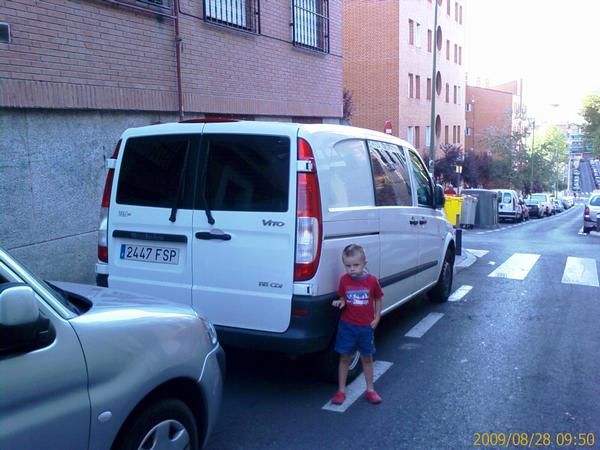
(352,337)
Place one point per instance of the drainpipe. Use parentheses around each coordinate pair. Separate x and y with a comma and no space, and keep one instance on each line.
(178,44)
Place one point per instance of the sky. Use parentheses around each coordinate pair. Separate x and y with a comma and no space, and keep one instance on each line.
(552,45)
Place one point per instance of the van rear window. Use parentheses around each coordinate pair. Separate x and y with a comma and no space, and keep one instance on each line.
(151,171)
(246,172)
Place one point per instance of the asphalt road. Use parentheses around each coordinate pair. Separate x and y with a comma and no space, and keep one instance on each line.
(518,353)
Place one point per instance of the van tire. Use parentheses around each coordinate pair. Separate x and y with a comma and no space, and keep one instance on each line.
(327,361)
(441,291)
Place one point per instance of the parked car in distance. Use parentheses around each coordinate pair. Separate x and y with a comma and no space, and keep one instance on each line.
(85,367)
(546,201)
(508,205)
(591,214)
(535,207)
(246,221)
(567,202)
(557,206)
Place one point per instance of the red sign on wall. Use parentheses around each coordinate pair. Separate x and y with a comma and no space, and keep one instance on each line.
(387,127)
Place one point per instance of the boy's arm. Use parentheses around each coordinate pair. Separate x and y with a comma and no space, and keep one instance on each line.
(339,303)
(377,306)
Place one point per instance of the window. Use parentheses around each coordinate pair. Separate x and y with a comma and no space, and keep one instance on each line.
(243,14)
(448,49)
(152,171)
(417,86)
(417,137)
(468,131)
(246,172)
(422,180)
(458,134)
(390,173)
(411,32)
(427,137)
(459,95)
(428,88)
(454,134)
(460,56)
(447,93)
(350,181)
(460,14)
(455,53)
(410,135)
(418,36)
(410,85)
(456,11)
(164,6)
(449,7)
(429,41)
(468,107)
(446,134)
(455,93)
(311,24)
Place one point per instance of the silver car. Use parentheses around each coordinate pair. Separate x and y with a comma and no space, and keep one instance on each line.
(591,214)
(83,367)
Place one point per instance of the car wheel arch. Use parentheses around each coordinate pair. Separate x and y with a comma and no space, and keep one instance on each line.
(183,389)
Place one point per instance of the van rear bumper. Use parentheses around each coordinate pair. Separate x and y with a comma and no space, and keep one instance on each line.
(312,328)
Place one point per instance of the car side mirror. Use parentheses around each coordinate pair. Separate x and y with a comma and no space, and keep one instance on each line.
(439,200)
(21,323)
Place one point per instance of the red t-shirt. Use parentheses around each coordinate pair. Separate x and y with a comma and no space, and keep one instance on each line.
(360,295)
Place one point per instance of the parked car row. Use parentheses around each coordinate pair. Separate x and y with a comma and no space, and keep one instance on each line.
(595,165)
(512,207)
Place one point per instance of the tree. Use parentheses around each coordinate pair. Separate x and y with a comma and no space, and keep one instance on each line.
(591,117)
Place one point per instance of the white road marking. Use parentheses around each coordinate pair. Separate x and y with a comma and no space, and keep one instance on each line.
(516,267)
(460,293)
(478,253)
(358,387)
(424,325)
(581,271)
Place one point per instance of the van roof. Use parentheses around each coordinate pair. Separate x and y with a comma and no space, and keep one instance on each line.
(249,126)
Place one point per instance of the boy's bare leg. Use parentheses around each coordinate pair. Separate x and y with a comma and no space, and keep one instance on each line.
(343,371)
(367,366)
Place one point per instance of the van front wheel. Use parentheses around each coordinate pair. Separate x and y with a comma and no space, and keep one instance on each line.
(441,291)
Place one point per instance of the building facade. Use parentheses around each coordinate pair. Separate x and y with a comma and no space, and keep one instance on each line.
(388,68)
(75,73)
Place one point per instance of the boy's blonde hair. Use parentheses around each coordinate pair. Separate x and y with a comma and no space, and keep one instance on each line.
(354,249)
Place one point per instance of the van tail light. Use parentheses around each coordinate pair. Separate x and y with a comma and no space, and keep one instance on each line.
(309,219)
(103,228)
(586,212)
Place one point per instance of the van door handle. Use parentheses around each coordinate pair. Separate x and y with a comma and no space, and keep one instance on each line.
(206,235)
(422,221)
(413,221)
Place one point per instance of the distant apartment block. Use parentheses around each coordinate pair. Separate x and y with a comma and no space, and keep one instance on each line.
(388,68)
(498,110)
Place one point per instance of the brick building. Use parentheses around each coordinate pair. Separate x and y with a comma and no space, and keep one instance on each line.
(492,111)
(75,73)
(388,65)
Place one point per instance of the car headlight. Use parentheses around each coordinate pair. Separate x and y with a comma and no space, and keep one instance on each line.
(210,330)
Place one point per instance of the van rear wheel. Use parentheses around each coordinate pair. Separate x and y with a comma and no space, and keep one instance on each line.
(441,291)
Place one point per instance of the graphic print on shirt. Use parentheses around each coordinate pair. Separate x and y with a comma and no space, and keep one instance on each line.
(358,297)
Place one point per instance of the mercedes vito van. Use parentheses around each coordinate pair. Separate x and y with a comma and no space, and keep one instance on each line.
(246,222)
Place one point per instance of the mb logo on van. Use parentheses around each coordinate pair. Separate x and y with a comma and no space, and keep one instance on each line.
(272,223)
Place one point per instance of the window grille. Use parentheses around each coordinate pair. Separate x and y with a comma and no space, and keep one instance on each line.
(241,14)
(310,24)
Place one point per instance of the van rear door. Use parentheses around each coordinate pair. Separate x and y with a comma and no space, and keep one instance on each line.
(150,217)
(244,227)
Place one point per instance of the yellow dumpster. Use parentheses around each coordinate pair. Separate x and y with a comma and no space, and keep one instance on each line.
(452,208)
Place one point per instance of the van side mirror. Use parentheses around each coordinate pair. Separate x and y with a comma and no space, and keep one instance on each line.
(439,200)
(21,324)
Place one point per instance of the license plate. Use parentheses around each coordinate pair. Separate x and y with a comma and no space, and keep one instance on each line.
(161,255)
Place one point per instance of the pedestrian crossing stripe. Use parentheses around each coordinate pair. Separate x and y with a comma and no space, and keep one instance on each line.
(580,271)
(516,267)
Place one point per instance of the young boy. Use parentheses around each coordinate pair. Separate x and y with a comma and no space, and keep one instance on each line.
(360,301)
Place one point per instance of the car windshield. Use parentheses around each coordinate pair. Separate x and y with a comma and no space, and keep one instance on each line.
(531,202)
(595,200)
(12,270)
(541,197)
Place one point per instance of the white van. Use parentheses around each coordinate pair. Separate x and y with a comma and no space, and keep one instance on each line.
(509,206)
(246,221)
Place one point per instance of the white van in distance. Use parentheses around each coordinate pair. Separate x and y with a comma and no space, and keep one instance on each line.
(246,222)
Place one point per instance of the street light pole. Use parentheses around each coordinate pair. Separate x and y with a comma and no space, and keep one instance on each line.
(433,92)
(532,121)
